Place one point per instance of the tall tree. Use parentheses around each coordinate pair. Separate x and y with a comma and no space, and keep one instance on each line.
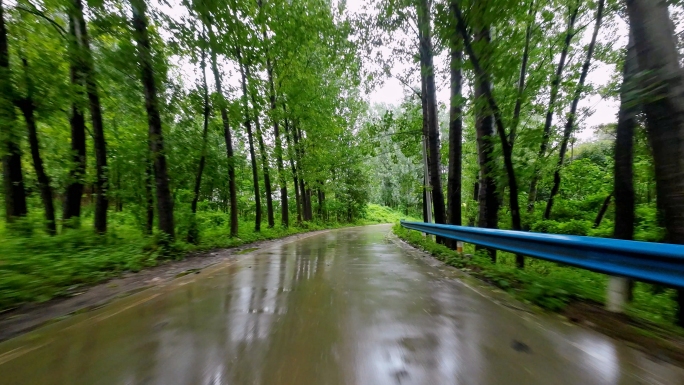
(206,111)
(28,107)
(89,78)
(74,190)
(455,133)
(264,157)
(483,78)
(555,87)
(624,149)
(570,125)
(156,139)
(663,105)
(250,137)
(523,74)
(428,72)
(227,135)
(15,195)
(487,197)
(293,167)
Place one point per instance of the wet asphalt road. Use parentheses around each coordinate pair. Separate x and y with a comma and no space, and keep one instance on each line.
(343,307)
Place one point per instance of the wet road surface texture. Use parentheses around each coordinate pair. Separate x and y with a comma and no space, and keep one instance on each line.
(343,307)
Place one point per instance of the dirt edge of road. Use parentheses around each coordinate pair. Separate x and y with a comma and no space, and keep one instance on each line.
(658,343)
(34,315)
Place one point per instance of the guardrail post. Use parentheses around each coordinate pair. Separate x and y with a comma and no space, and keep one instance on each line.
(618,294)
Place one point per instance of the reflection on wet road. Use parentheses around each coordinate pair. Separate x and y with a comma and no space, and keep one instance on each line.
(343,307)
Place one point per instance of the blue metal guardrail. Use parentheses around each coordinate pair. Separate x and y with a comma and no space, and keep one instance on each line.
(644,261)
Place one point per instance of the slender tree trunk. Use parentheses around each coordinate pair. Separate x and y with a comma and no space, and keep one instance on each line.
(27,108)
(100,145)
(488,200)
(555,86)
(455,135)
(156,139)
(658,57)
(13,180)
(149,198)
(291,155)
(193,232)
(624,150)
(252,153)
(425,208)
(427,193)
(427,70)
(486,89)
(570,125)
(205,130)
(302,189)
(74,190)
(264,160)
(523,75)
(284,207)
(602,211)
(232,187)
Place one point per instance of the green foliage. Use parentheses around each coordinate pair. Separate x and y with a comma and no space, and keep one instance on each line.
(382,214)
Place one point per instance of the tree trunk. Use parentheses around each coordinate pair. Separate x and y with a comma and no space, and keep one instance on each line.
(570,125)
(321,202)
(555,85)
(523,75)
(485,86)
(27,108)
(294,169)
(205,130)
(427,194)
(13,180)
(227,137)
(284,206)
(455,136)
(74,190)
(264,161)
(156,139)
(602,211)
(252,153)
(427,71)
(657,56)
(488,200)
(302,190)
(149,198)
(624,150)
(100,145)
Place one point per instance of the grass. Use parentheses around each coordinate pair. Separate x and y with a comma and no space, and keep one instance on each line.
(35,267)
(546,284)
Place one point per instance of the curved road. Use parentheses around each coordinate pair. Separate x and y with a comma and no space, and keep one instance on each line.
(343,307)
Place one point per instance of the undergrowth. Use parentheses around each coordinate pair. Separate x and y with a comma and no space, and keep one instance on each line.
(548,285)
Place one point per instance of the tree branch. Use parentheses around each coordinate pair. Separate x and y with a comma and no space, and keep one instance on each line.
(36,12)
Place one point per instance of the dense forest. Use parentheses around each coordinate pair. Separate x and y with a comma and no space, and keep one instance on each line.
(163,127)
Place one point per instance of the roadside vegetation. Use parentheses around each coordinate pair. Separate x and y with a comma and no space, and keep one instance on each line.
(37,267)
(548,285)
